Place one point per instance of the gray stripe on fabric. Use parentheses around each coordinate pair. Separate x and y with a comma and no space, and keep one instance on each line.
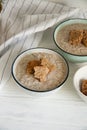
(6,65)
(30,4)
(44,8)
(15,19)
(53,8)
(9,16)
(34,31)
(9,58)
(8,19)
(3,10)
(36,8)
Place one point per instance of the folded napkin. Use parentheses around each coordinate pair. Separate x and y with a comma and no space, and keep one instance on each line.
(22,24)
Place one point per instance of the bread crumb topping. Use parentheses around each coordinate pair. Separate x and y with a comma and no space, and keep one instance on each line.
(40,68)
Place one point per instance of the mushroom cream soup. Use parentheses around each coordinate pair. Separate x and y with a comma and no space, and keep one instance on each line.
(53,79)
(63,37)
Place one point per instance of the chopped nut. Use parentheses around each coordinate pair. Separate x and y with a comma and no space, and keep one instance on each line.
(41,72)
(31,65)
(75,37)
(84,87)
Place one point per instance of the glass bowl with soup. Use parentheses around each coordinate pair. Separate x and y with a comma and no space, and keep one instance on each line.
(40,70)
(70,36)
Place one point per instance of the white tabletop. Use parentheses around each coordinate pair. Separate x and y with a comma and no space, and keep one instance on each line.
(62,110)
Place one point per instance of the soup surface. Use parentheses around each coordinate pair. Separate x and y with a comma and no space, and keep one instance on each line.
(63,37)
(53,79)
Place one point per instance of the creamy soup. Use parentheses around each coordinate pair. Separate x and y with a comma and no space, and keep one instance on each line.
(53,79)
(63,36)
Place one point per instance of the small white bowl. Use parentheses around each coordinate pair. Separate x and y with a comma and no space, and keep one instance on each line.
(36,50)
(80,75)
(68,55)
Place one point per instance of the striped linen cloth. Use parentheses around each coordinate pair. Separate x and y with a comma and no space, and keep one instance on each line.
(22,24)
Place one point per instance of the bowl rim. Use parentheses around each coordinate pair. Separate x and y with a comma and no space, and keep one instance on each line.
(64,21)
(76,88)
(58,86)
